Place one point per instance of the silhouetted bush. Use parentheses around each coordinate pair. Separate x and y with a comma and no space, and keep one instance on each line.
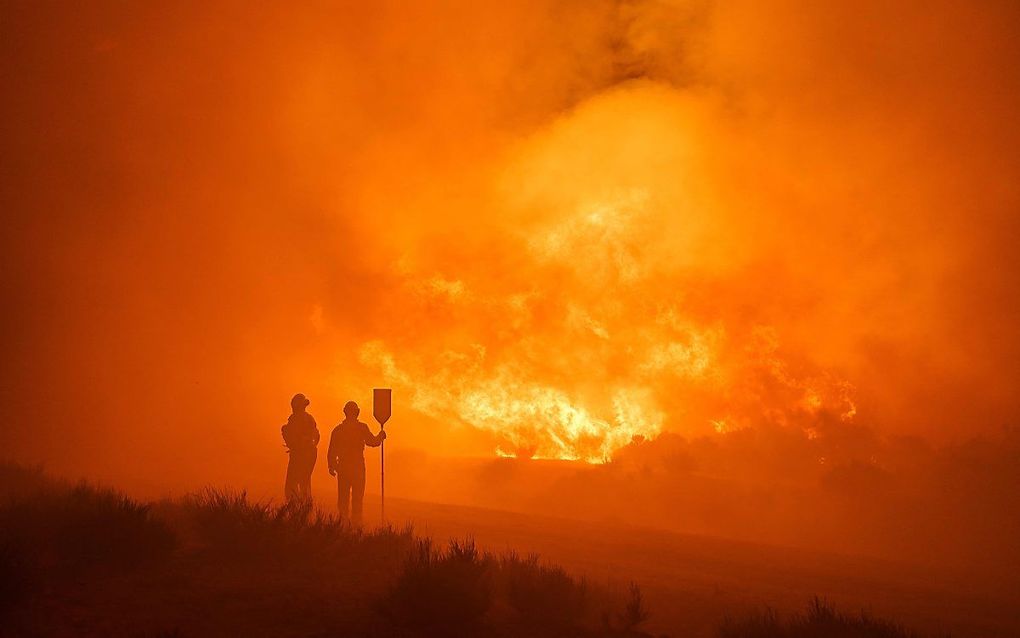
(84,526)
(635,613)
(14,580)
(229,526)
(540,595)
(441,592)
(275,561)
(461,591)
(820,621)
(21,481)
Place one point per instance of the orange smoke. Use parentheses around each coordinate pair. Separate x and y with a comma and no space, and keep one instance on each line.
(553,227)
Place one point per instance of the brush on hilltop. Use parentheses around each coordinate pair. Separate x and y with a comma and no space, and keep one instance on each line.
(77,559)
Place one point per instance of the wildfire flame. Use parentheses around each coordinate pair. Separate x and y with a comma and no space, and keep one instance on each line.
(620,340)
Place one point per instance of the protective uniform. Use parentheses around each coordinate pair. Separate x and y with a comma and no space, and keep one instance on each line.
(301,436)
(346,458)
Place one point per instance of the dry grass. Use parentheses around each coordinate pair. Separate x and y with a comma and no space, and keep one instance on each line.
(87,561)
(237,562)
(820,620)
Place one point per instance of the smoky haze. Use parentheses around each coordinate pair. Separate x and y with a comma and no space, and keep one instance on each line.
(551,227)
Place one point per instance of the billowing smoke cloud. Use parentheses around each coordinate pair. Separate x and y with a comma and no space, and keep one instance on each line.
(553,227)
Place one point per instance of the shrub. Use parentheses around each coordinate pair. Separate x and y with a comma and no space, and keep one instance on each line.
(541,596)
(461,591)
(229,526)
(635,612)
(281,562)
(19,481)
(820,621)
(14,581)
(441,592)
(83,527)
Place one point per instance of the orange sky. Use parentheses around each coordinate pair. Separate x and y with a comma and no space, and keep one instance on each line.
(549,226)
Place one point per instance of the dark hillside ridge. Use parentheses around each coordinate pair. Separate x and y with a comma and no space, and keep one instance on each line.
(81,560)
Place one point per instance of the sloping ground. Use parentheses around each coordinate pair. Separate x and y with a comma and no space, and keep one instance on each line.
(77,560)
(80,560)
(693,582)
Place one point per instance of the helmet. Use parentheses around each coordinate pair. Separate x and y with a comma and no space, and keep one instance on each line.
(299,401)
(351,410)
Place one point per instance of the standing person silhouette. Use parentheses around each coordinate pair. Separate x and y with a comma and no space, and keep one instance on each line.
(301,436)
(346,459)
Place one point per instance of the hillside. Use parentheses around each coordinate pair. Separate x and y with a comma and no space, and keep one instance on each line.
(80,560)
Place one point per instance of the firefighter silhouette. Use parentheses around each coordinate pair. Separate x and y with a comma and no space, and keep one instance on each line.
(301,436)
(346,459)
